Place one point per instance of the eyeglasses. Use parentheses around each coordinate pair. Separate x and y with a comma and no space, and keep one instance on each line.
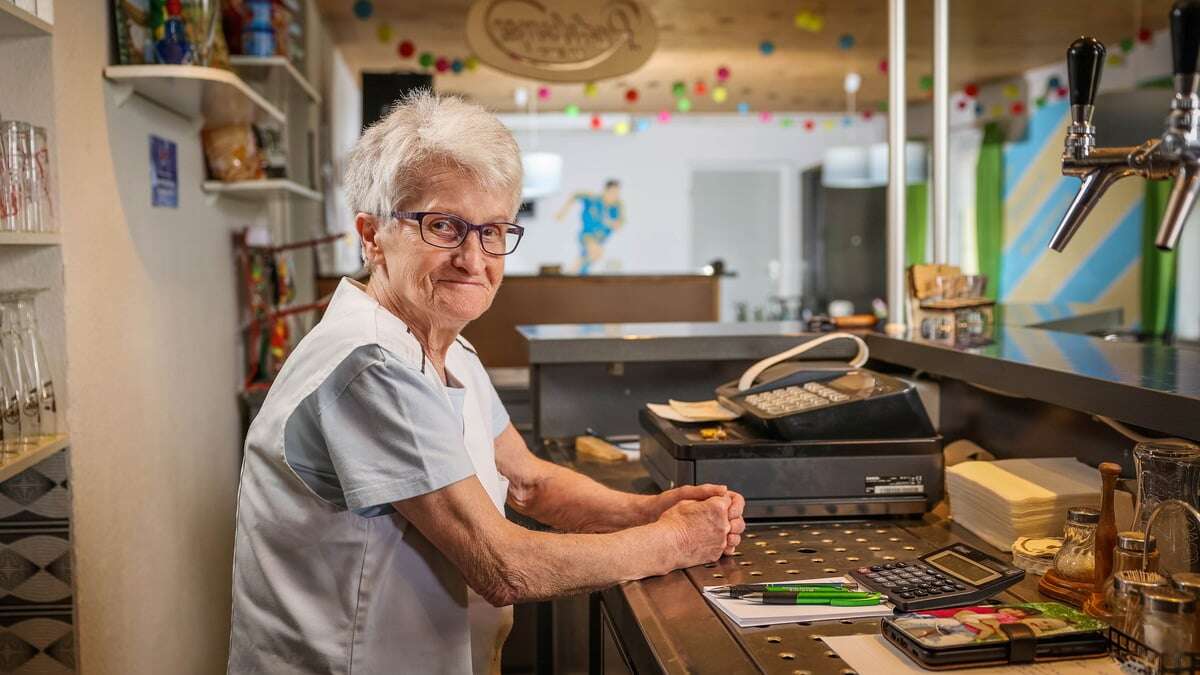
(445,230)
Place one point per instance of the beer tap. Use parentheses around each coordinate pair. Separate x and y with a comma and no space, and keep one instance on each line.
(1176,153)
(1181,141)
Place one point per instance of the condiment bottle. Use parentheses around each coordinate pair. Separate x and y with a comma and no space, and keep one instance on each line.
(1124,592)
(1168,621)
(1076,560)
(1128,556)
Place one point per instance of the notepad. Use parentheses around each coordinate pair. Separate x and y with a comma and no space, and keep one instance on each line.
(746,614)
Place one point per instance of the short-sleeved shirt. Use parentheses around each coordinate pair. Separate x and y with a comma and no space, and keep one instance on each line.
(327,577)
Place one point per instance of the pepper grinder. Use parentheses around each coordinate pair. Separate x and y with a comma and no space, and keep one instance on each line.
(1106,531)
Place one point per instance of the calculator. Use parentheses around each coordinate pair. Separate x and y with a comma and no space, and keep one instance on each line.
(948,577)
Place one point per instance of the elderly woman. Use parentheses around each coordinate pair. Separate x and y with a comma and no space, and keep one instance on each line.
(371,535)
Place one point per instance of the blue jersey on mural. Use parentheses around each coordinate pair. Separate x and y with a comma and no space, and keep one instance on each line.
(599,216)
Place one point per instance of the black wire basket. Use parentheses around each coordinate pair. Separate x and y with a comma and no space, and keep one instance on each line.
(1137,658)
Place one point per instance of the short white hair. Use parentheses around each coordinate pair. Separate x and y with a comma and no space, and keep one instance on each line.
(389,163)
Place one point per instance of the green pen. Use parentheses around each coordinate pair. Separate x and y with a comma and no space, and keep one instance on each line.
(737,591)
(834,599)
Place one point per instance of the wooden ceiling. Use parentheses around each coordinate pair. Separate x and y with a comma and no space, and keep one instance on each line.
(989,40)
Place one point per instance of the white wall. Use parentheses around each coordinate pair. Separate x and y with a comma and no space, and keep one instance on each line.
(654,168)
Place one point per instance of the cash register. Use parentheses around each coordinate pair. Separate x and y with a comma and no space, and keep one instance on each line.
(810,440)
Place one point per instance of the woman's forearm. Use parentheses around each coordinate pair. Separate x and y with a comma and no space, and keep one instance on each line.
(569,501)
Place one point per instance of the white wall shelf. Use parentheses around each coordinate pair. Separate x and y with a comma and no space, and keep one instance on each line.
(16,22)
(198,93)
(29,238)
(261,190)
(43,447)
(265,68)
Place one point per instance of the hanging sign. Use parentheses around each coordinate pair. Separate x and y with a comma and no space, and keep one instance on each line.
(562,40)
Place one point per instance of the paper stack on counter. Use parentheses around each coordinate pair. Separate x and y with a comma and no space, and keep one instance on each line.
(1010,498)
(745,613)
(692,411)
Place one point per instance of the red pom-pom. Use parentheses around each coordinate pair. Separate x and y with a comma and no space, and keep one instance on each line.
(1017,108)
(1061,92)
(883,66)
(700,88)
(809,125)
(442,64)
(406,49)
(971,90)
(631,95)
(868,114)
(596,123)
(961,104)
(1144,35)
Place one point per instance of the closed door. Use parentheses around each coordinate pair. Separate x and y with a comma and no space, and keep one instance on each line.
(736,217)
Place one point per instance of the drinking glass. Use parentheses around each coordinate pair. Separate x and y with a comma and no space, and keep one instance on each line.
(14,147)
(9,184)
(40,185)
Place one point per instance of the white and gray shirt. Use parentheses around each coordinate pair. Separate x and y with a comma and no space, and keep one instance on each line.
(327,577)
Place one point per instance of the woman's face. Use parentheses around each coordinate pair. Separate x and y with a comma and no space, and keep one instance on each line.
(450,287)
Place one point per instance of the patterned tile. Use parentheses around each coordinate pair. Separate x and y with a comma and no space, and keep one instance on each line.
(37,646)
(39,494)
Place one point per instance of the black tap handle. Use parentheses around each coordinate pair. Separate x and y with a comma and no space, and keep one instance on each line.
(1085,58)
(1185,35)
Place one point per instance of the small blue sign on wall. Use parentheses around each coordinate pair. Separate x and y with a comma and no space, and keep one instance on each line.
(164,173)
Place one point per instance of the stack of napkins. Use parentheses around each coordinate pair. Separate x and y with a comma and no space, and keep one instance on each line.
(745,613)
(1010,498)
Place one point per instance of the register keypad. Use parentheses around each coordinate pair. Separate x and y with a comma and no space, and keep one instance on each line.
(788,400)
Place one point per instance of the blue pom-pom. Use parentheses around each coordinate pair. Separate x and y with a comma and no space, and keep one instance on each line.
(766,47)
(363,9)
(743,108)
(846,41)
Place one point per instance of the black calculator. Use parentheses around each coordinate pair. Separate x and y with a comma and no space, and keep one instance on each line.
(948,577)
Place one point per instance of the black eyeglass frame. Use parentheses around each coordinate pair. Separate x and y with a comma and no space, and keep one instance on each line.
(418,216)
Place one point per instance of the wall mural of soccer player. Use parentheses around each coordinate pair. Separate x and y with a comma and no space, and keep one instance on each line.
(599,216)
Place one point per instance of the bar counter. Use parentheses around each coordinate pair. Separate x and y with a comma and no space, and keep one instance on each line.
(1037,351)
(664,624)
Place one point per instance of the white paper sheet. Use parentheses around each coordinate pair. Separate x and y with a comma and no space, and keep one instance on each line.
(747,614)
(692,412)
(874,655)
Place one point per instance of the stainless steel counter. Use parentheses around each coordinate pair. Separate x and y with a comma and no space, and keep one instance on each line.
(664,624)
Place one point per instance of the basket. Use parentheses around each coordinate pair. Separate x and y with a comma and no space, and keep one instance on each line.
(1137,658)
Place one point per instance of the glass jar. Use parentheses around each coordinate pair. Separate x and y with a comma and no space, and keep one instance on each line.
(1168,621)
(1129,552)
(1123,593)
(1076,560)
(1169,471)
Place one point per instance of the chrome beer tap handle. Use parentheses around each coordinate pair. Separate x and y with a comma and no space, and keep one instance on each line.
(1181,140)
(1097,168)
